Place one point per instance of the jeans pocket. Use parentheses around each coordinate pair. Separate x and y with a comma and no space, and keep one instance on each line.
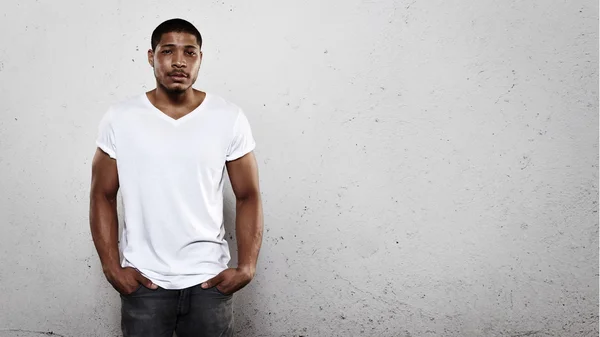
(137,290)
(220,292)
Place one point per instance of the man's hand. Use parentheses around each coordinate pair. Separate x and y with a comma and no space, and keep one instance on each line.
(127,280)
(230,280)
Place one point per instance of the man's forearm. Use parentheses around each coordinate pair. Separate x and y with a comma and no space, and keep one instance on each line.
(249,230)
(105,227)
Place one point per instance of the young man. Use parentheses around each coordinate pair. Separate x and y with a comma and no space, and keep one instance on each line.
(167,150)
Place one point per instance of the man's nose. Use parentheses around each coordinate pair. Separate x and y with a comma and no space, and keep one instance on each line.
(178,60)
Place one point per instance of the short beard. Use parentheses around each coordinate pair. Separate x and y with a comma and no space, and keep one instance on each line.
(175,91)
(171,91)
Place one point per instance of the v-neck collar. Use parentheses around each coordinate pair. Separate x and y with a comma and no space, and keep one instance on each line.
(168,118)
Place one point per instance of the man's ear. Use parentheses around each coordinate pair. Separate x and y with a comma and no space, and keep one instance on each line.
(151,57)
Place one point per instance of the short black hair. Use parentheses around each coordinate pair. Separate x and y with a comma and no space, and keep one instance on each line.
(174,25)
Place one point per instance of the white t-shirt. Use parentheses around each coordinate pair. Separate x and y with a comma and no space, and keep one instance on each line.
(171,182)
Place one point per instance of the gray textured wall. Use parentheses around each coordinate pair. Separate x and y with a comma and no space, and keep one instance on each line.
(429,168)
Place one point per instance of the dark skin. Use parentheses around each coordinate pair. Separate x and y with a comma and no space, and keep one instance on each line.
(176,62)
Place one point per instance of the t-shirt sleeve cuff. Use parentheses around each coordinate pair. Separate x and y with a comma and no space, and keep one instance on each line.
(106,149)
(242,152)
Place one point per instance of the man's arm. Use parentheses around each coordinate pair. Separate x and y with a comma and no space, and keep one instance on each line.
(104,224)
(243,174)
(103,209)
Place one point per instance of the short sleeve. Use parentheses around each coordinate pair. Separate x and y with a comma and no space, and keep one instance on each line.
(106,135)
(242,142)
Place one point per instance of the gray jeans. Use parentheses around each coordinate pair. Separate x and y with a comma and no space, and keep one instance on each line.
(190,312)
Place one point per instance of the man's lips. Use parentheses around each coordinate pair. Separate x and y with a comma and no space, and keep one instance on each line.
(178,75)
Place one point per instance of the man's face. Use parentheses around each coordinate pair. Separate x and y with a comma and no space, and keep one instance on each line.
(176,61)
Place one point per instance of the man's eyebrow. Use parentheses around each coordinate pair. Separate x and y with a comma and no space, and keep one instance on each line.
(174,45)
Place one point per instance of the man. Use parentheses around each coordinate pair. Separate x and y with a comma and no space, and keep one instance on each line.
(166,150)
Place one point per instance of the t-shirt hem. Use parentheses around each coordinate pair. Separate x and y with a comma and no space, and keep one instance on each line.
(176,282)
(196,280)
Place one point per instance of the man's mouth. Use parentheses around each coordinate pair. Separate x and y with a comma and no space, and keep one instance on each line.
(178,75)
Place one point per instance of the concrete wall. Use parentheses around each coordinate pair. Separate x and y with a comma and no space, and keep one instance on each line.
(429,168)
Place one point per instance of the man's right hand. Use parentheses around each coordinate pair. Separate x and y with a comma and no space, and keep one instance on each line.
(127,280)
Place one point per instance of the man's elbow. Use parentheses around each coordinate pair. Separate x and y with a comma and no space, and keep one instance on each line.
(250,196)
(99,196)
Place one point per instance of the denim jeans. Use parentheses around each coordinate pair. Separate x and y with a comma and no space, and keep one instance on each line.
(190,312)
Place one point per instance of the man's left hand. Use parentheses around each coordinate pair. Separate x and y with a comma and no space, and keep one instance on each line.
(230,280)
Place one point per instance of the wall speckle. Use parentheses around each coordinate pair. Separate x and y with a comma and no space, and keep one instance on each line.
(27,333)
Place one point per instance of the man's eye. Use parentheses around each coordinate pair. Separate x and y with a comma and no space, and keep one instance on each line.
(192,53)
(166,51)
